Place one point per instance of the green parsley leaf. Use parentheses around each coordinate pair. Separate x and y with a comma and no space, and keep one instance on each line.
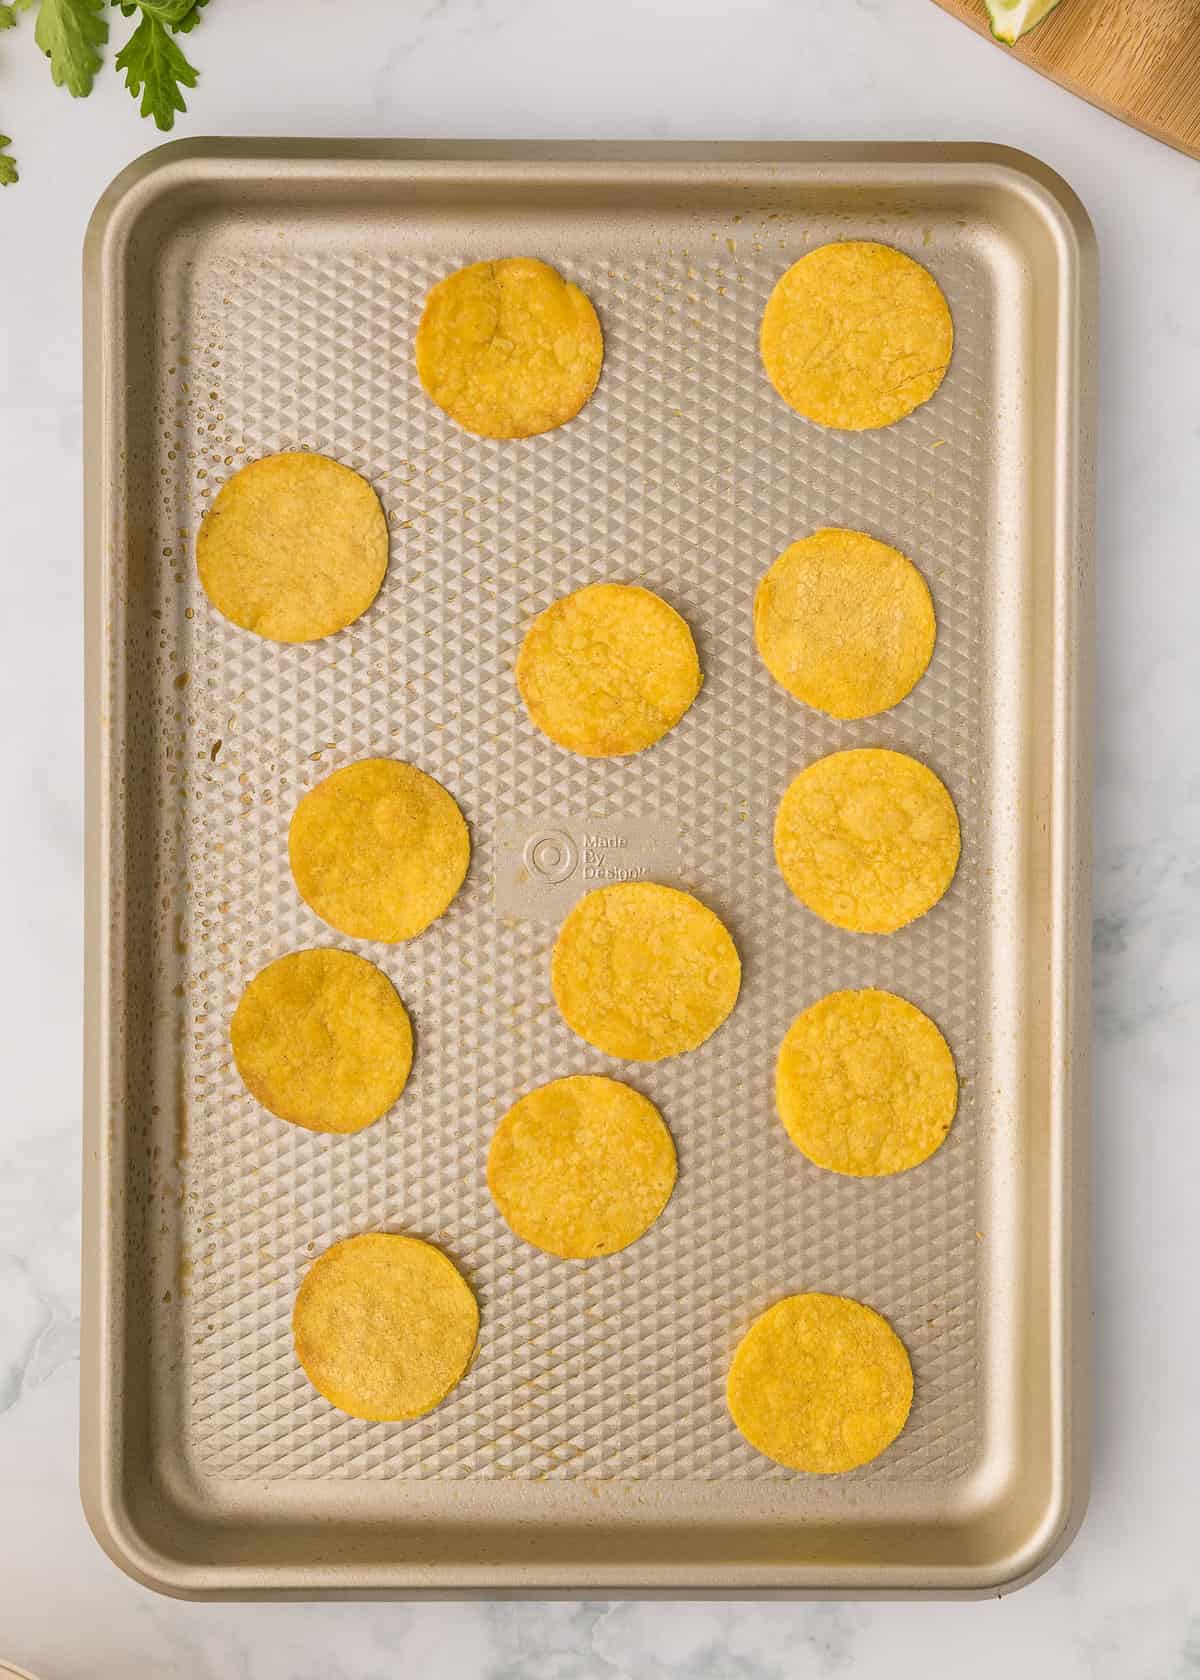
(70,33)
(180,15)
(8,163)
(155,67)
(190,19)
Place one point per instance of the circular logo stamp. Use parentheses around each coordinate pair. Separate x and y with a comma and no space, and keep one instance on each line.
(551,855)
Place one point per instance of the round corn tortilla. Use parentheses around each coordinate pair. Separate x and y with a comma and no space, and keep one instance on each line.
(581,1167)
(844,623)
(378,849)
(321,1039)
(384,1326)
(865,1084)
(856,335)
(509,348)
(868,839)
(820,1383)
(294,547)
(608,670)
(643,971)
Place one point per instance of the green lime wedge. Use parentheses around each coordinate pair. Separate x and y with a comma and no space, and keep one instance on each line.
(1010,19)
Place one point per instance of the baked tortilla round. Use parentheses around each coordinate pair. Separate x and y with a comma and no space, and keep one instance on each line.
(294,547)
(378,849)
(608,670)
(865,1084)
(820,1383)
(581,1167)
(644,971)
(322,1039)
(868,839)
(856,335)
(384,1326)
(509,348)
(844,623)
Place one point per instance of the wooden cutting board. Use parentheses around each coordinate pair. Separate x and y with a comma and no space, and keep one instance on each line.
(1137,59)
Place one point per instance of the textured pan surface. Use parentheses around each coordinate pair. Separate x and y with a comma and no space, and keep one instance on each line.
(271,304)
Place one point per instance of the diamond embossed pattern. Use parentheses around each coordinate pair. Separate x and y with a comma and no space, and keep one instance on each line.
(684,473)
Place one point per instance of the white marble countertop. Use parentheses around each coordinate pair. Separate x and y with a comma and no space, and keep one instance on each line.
(1124,1603)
